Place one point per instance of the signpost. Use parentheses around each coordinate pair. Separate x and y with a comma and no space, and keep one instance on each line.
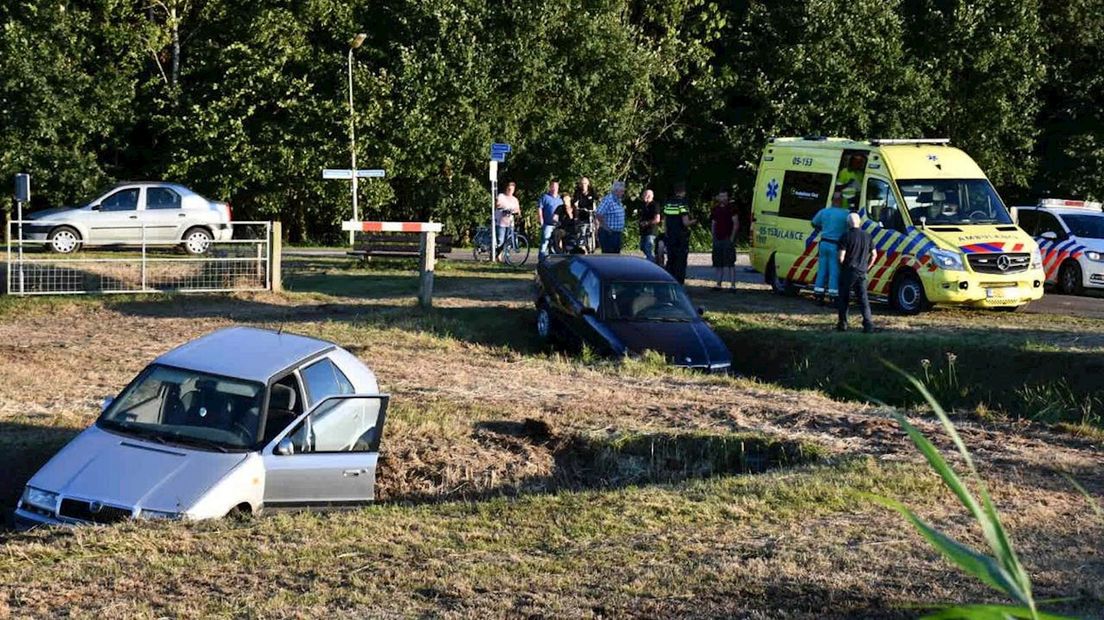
(348,175)
(498,155)
(22,196)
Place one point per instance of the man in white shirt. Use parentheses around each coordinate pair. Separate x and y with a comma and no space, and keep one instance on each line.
(506,207)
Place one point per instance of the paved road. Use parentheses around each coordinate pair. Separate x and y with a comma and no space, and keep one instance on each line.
(699,269)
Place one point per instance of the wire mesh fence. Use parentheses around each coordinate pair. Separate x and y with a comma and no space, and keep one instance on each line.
(238,260)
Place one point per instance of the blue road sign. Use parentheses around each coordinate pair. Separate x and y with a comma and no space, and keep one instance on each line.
(498,152)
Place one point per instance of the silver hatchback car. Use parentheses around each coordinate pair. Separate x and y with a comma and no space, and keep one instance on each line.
(239,420)
(132,214)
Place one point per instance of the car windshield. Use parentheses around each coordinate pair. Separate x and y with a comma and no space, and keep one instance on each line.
(174,405)
(1085,226)
(953,201)
(647,301)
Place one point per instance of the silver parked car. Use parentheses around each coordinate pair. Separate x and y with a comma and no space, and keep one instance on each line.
(242,420)
(130,213)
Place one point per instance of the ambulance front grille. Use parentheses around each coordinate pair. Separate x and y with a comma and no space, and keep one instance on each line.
(993,263)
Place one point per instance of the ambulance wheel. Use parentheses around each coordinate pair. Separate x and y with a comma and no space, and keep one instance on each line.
(780,286)
(907,295)
(1070,281)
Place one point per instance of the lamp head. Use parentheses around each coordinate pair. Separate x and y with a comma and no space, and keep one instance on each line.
(356,41)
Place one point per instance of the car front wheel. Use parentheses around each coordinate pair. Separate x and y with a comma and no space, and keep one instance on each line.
(1070,281)
(544,323)
(64,240)
(197,241)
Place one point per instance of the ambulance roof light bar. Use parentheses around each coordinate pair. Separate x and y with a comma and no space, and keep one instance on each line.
(1071,204)
(890,141)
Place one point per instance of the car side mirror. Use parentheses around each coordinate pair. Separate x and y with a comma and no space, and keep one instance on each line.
(587,311)
(95,207)
(1050,235)
(701,311)
(106,403)
(285,447)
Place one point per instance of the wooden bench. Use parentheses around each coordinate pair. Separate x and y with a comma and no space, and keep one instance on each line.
(397,245)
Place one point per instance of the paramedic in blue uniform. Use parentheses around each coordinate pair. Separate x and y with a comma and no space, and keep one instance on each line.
(856,256)
(831,221)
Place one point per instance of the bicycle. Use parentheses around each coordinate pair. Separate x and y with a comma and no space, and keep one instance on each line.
(515,250)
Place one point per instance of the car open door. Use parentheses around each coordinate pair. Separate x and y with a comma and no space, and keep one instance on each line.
(328,456)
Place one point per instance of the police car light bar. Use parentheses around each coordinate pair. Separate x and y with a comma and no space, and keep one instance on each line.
(881,141)
(1071,204)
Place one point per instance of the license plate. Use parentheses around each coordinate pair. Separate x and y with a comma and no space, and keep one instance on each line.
(995,293)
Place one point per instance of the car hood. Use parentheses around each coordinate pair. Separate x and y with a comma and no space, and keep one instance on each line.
(46,214)
(979,239)
(690,343)
(127,472)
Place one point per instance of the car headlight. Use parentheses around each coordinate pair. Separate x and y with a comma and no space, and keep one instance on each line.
(1036,259)
(38,498)
(159,515)
(1095,256)
(947,259)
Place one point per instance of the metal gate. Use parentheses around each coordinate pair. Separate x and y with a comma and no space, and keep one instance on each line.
(236,259)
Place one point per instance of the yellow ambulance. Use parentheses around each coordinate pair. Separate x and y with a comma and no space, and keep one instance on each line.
(942,233)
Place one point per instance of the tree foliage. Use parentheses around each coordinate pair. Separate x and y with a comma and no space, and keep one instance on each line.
(248,101)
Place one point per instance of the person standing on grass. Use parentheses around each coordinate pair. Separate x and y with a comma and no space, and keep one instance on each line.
(725,225)
(585,201)
(549,202)
(831,221)
(856,256)
(676,233)
(506,207)
(648,221)
(565,223)
(611,219)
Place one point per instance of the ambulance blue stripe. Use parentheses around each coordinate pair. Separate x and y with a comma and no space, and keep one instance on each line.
(882,237)
(896,243)
(917,241)
(927,247)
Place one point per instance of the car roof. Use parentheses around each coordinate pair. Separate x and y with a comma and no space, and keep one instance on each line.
(624,268)
(1063,210)
(245,353)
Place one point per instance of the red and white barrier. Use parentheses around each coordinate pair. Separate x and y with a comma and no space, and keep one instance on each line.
(406,227)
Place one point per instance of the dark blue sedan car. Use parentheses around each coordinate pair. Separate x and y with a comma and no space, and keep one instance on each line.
(623,305)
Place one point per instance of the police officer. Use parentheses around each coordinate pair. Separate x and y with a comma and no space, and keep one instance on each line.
(831,221)
(676,231)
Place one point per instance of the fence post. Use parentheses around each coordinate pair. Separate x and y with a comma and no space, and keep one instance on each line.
(143,258)
(276,256)
(426,263)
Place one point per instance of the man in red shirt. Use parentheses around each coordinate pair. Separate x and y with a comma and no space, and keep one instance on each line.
(725,226)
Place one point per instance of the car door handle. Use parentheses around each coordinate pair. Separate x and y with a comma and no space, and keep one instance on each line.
(353,473)
(181,215)
(134,217)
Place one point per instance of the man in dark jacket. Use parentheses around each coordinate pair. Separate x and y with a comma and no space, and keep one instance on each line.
(856,256)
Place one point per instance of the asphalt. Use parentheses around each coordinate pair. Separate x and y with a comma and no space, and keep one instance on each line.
(1086,306)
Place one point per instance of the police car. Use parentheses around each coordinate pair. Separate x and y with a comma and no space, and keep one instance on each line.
(1070,234)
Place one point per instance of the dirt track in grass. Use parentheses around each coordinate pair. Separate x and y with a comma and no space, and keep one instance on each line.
(460,393)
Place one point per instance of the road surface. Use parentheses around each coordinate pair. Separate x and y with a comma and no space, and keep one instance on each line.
(1091,306)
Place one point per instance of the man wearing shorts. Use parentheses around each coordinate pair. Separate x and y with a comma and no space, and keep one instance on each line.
(725,226)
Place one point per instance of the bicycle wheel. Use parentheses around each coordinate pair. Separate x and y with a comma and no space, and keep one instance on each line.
(517,252)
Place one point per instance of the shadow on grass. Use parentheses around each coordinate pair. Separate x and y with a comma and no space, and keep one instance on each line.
(603,461)
(24,448)
(975,369)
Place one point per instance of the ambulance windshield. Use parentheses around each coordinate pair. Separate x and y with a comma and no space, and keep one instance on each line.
(953,202)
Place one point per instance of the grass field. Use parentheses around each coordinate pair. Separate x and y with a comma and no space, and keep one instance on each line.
(517,481)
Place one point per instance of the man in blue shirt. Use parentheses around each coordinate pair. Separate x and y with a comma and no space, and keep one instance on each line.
(611,219)
(831,221)
(546,216)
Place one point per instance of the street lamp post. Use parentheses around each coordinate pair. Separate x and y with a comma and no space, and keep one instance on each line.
(354,43)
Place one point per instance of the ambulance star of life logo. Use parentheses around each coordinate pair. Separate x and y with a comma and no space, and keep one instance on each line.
(772,189)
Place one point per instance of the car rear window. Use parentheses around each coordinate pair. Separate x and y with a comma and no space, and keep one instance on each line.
(324,379)
(162,198)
